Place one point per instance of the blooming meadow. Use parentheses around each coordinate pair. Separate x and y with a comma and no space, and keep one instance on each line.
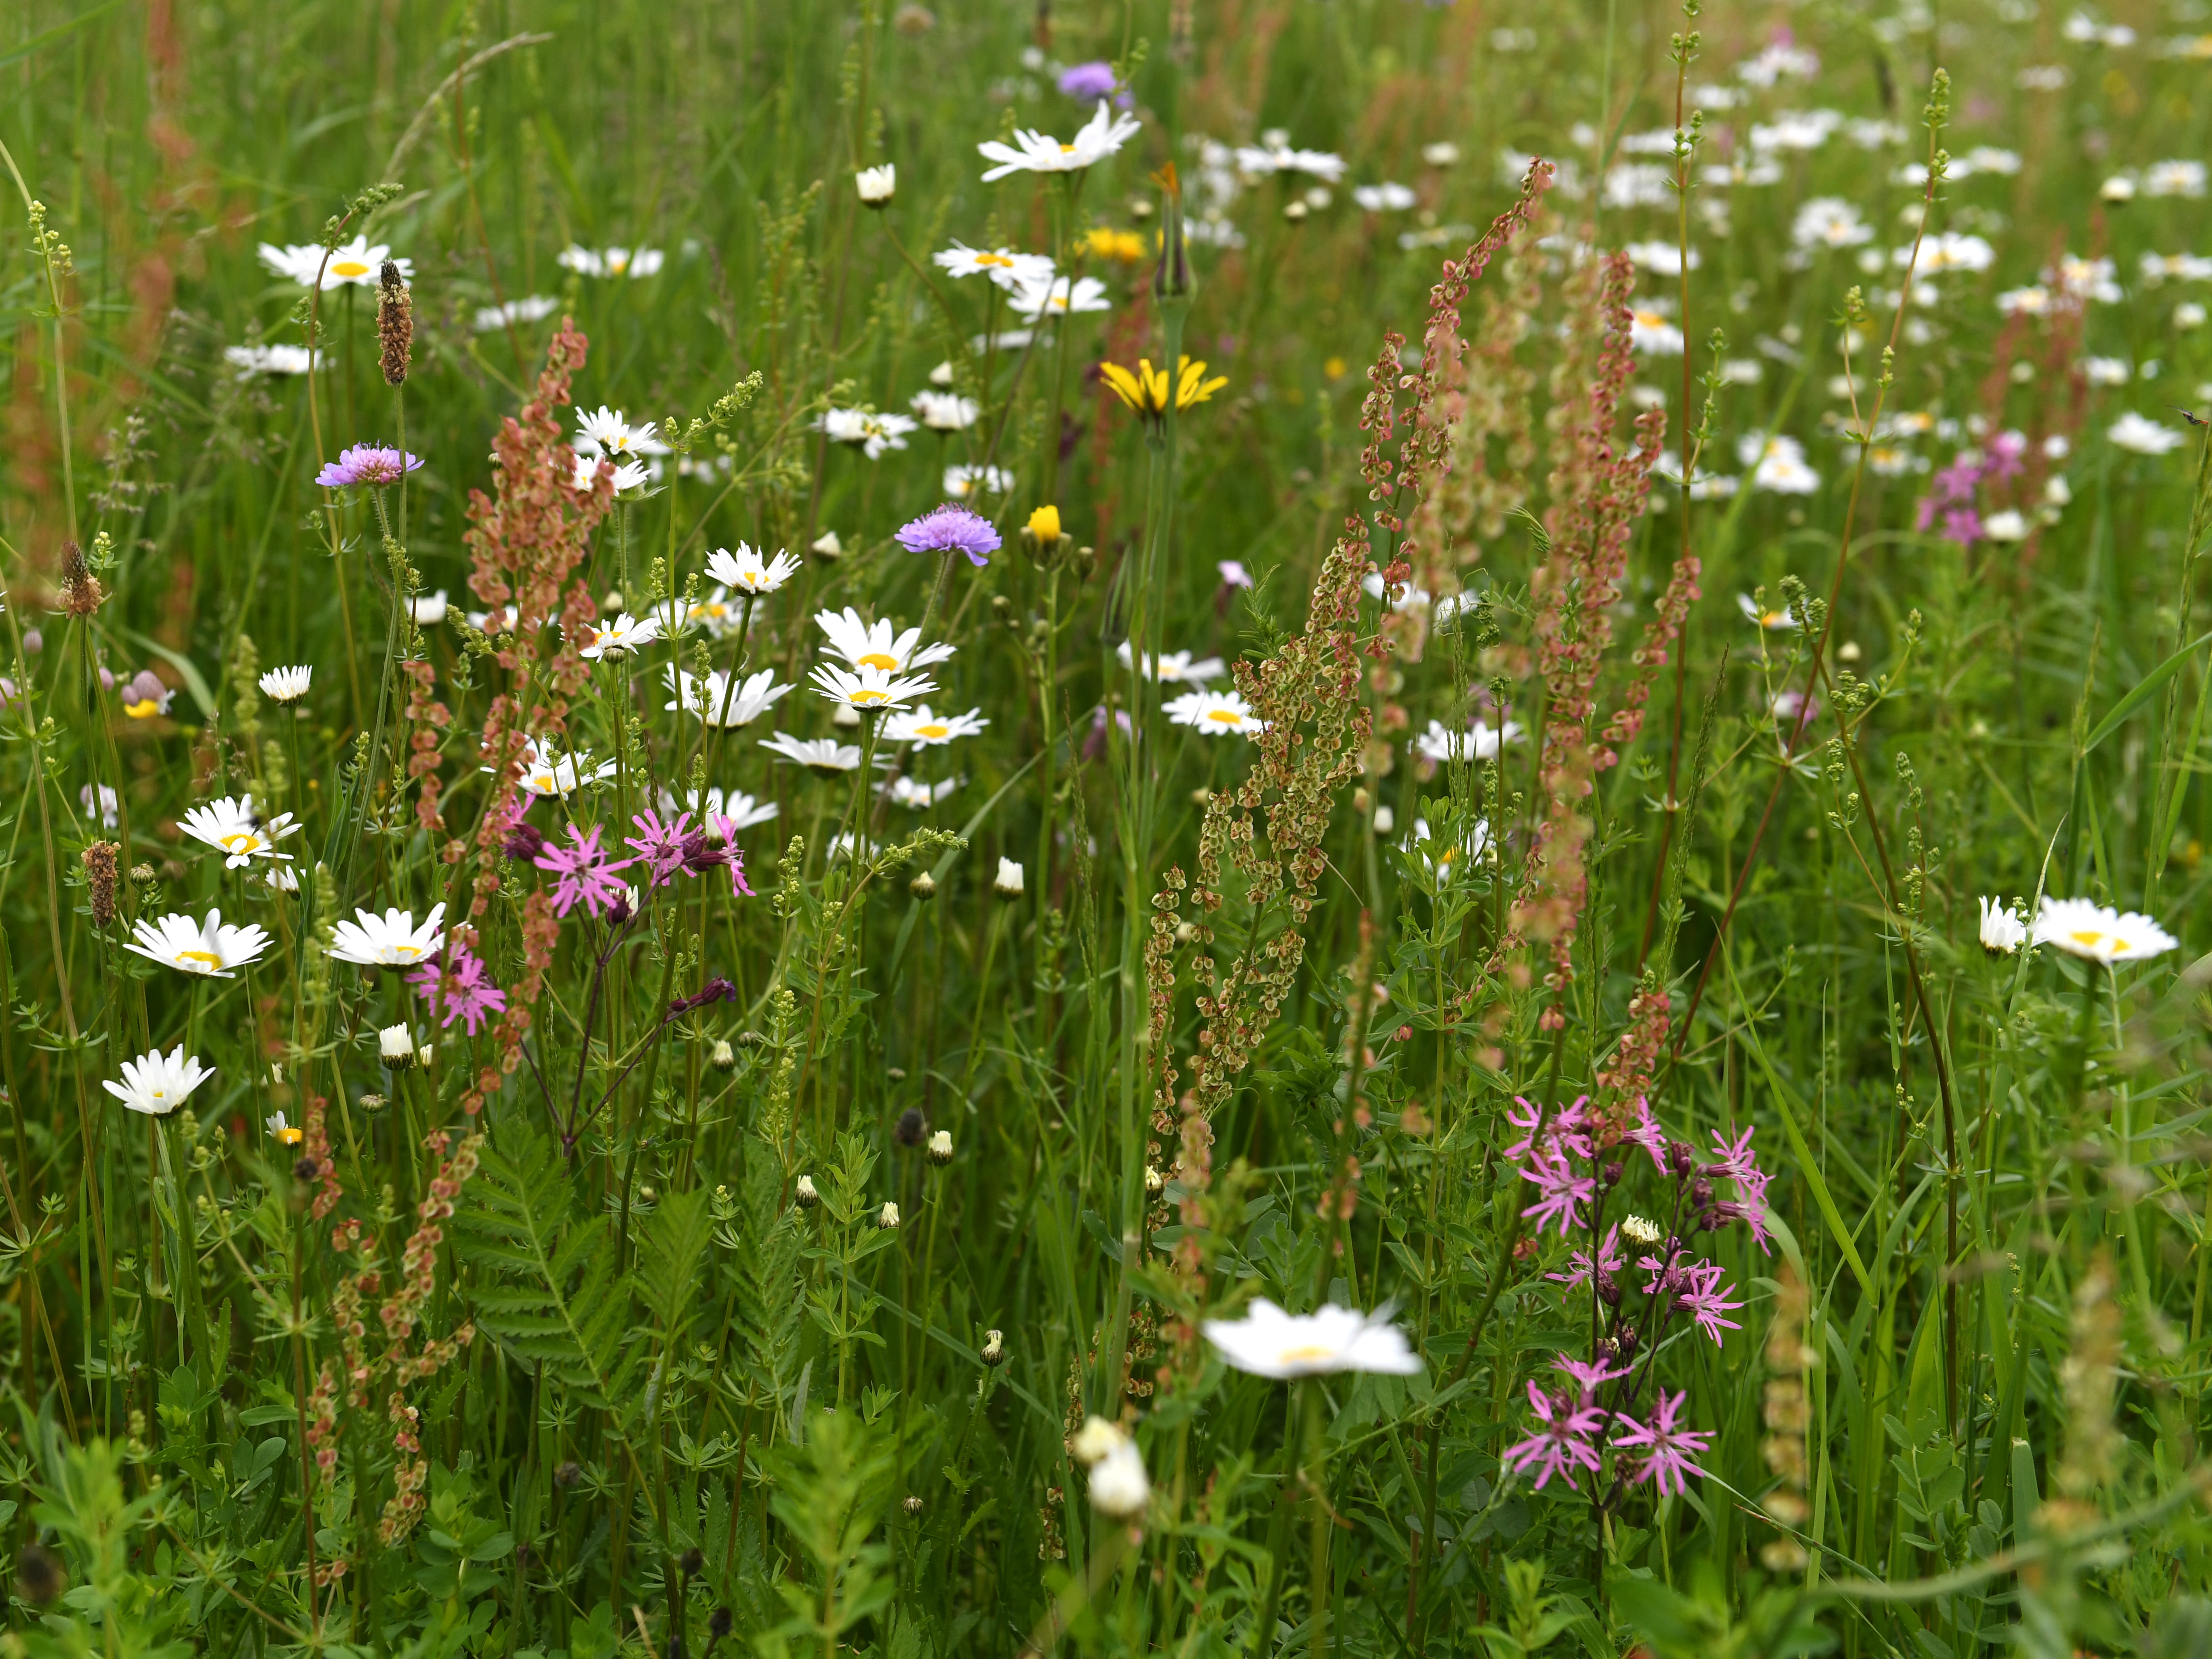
(1350,829)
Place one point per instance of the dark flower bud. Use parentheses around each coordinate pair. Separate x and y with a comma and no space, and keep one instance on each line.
(1608,1289)
(40,1576)
(306,1169)
(718,1623)
(1701,1192)
(569,1476)
(912,1127)
(923,886)
(675,1646)
(1681,1158)
(619,912)
(1625,1340)
(1612,1174)
(690,1561)
(525,841)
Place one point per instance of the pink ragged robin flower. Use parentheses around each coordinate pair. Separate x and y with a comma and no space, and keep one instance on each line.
(585,875)
(1666,1447)
(660,846)
(1609,1261)
(1562,1444)
(1560,1191)
(462,988)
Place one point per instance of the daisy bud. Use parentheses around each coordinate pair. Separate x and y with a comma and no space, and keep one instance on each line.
(719,1623)
(395,324)
(722,1057)
(397,1044)
(912,1127)
(1007,884)
(827,546)
(941,1147)
(876,185)
(1155,1182)
(888,1216)
(805,1194)
(690,1561)
(371,1102)
(425,1054)
(923,886)
(912,1505)
(994,1347)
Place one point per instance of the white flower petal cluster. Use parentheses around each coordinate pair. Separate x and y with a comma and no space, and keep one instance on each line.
(1269,1342)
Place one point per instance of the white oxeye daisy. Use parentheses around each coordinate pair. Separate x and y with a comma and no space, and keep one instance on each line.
(2004,930)
(1007,884)
(391,940)
(427,610)
(395,1044)
(250,361)
(917,794)
(1268,1342)
(608,432)
(1099,137)
(1479,742)
(1118,1484)
(964,483)
(1753,612)
(2097,933)
(749,572)
(626,634)
(629,474)
(231,824)
(546,771)
(877,184)
(157,1083)
(287,1135)
(945,411)
(877,644)
(864,429)
(1005,267)
(924,726)
(287,684)
(873,689)
(634,263)
(1173,667)
(350,265)
(721,700)
(1653,335)
(824,756)
(732,810)
(1443,863)
(2143,435)
(1215,714)
(1061,297)
(206,947)
(282,878)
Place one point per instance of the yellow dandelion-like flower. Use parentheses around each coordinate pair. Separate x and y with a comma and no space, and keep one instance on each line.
(1145,388)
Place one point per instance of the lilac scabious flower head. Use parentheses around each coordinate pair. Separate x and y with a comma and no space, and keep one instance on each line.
(1088,82)
(586,876)
(1666,1447)
(366,463)
(462,987)
(1562,1443)
(951,528)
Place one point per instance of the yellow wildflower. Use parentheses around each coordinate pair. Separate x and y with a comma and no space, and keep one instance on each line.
(1145,389)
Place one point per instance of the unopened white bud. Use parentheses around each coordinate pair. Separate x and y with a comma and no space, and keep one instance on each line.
(887,1218)
(805,1194)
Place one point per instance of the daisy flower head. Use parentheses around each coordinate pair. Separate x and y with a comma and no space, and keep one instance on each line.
(923,726)
(1650,333)
(287,684)
(157,1084)
(208,947)
(1214,713)
(1388,197)
(373,464)
(877,644)
(864,429)
(627,475)
(1480,741)
(1753,612)
(964,483)
(1777,464)
(350,265)
(546,771)
(746,571)
(1145,388)
(945,411)
(1060,297)
(1173,667)
(624,636)
(723,700)
(1005,267)
(532,308)
(2142,435)
(1830,221)
(733,809)
(605,431)
(2003,929)
(391,940)
(284,1133)
(427,610)
(2097,933)
(1101,135)
(637,263)
(232,825)
(823,756)
(951,528)
(871,690)
(250,361)
(144,697)
(1444,863)
(876,185)
(917,793)
(1269,1342)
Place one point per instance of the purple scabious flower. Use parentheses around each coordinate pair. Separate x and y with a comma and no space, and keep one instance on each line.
(951,528)
(1088,81)
(366,464)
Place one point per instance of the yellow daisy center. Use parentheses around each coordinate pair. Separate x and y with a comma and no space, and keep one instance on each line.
(994,259)
(348,268)
(1305,1356)
(1068,149)
(2088,938)
(406,950)
(139,711)
(931,731)
(1224,716)
(239,841)
(291,1137)
(209,957)
(882,660)
(865,698)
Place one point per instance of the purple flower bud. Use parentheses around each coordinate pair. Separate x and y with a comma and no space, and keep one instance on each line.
(525,841)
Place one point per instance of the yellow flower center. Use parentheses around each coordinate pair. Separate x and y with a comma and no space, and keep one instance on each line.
(139,711)
(2088,938)
(881,659)
(862,699)
(994,259)
(239,841)
(542,783)
(406,950)
(213,961)
(1307,1355)
(348,268)
(618,263)
(291,1136)
(1068,149)
(1224,716)
(931,731)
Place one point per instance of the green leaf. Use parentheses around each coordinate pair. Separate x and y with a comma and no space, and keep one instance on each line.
(671,1246)
(2141,694)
